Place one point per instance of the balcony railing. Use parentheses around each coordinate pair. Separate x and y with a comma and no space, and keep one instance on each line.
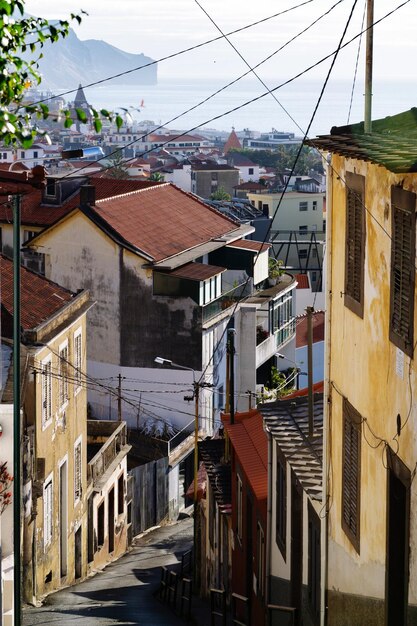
(285,332)
(226,300)
(107,453)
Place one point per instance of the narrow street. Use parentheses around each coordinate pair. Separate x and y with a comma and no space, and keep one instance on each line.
(124,593)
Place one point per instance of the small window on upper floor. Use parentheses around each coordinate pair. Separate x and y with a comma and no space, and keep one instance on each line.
(403,256)
(303,206)
(250,171)
(314,205)
(355,242)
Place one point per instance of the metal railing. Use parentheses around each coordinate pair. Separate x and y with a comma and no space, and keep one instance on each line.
(285,332)
(107,453)
(226,300)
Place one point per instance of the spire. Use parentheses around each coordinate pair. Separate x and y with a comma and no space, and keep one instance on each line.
(80,100)
(232,142)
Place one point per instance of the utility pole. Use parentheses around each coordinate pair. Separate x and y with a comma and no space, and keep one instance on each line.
(119,399)
(310,311)
(369,65)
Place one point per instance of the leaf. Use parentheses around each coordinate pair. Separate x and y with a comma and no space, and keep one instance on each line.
(97,124)
(68,122)
(105,113)
(119,122)
(81,115)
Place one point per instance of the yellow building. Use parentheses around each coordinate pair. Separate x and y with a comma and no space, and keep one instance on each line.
(54,431)
(371,442)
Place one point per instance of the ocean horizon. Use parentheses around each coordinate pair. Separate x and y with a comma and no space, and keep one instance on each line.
(166,102)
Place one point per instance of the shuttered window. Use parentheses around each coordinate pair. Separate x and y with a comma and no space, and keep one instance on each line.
(355,242)
(46,392)
(63,375)
(77,471)
(403,206)
(77,360)
(47,512)
(351,474)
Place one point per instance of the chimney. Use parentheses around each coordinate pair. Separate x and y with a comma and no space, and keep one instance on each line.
(87,195)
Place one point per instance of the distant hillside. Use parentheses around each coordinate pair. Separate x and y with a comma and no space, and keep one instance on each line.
(71,61)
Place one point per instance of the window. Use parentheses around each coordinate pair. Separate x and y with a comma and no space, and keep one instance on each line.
(355,242)
(120,495)
(47,511)
(250,171)
(403,254)
(46,377)
(302,254)
(314,205)
(50,187)
(239,504)
(302,229)
(35,154)
(261,560)
(28,234)
(100,525)
(314,563)
(303,206)
(314,253)
(77,360)
(77,471)
(22,154)
(63,375)
(220,397)
(281,505)
(351,465)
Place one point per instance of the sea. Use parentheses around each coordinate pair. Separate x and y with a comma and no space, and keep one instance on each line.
(189,104)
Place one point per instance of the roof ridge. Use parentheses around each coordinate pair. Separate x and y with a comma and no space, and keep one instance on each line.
(131,193)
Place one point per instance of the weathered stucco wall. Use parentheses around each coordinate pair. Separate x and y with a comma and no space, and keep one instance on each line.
(155,325)
(364,369)
(55,442)
(79,256)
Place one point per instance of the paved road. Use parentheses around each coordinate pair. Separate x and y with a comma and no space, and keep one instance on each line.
(124,592)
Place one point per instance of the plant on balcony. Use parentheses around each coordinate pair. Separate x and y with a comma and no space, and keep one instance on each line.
(261,334)
(274,270)
(5,485)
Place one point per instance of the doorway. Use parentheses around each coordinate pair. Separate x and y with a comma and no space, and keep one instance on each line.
(296,547)
(398,514)
(111,519)
(63,518)
(78,553)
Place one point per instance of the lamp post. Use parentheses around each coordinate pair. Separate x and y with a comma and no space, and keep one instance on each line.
(196,395)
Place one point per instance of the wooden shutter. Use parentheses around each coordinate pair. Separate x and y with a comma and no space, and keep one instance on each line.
(77,472)
(351,475)
(403,205)
(355,242)
(46,392)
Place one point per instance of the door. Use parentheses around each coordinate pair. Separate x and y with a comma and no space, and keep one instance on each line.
(397,542)
(296,547)
(111,520)
(78,553)
(63,518)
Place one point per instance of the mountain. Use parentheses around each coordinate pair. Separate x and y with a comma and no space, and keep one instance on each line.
(70,61)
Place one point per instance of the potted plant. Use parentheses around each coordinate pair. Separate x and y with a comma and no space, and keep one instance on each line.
(274,270)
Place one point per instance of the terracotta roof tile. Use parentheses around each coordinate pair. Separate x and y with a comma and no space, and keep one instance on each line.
(318,328)
(302,280)
(250,444)
(40,298)
(36,214)
(184,222)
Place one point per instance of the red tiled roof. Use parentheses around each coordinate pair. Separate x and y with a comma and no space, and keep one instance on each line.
(232,142)
(317,388)
(40,298)
(34,214)
(249,244)
(302,280)
(183,222)
(249,185)
(250,444)
(197,271)
(318,329)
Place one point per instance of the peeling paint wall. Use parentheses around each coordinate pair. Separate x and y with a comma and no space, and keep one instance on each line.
(55,444)
(364,369)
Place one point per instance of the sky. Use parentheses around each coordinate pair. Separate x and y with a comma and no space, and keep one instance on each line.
(161,27)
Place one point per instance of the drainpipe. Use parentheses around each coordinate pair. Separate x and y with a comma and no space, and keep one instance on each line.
(326,405)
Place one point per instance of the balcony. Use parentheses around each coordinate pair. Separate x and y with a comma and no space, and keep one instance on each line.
(226,300)
(106,447)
